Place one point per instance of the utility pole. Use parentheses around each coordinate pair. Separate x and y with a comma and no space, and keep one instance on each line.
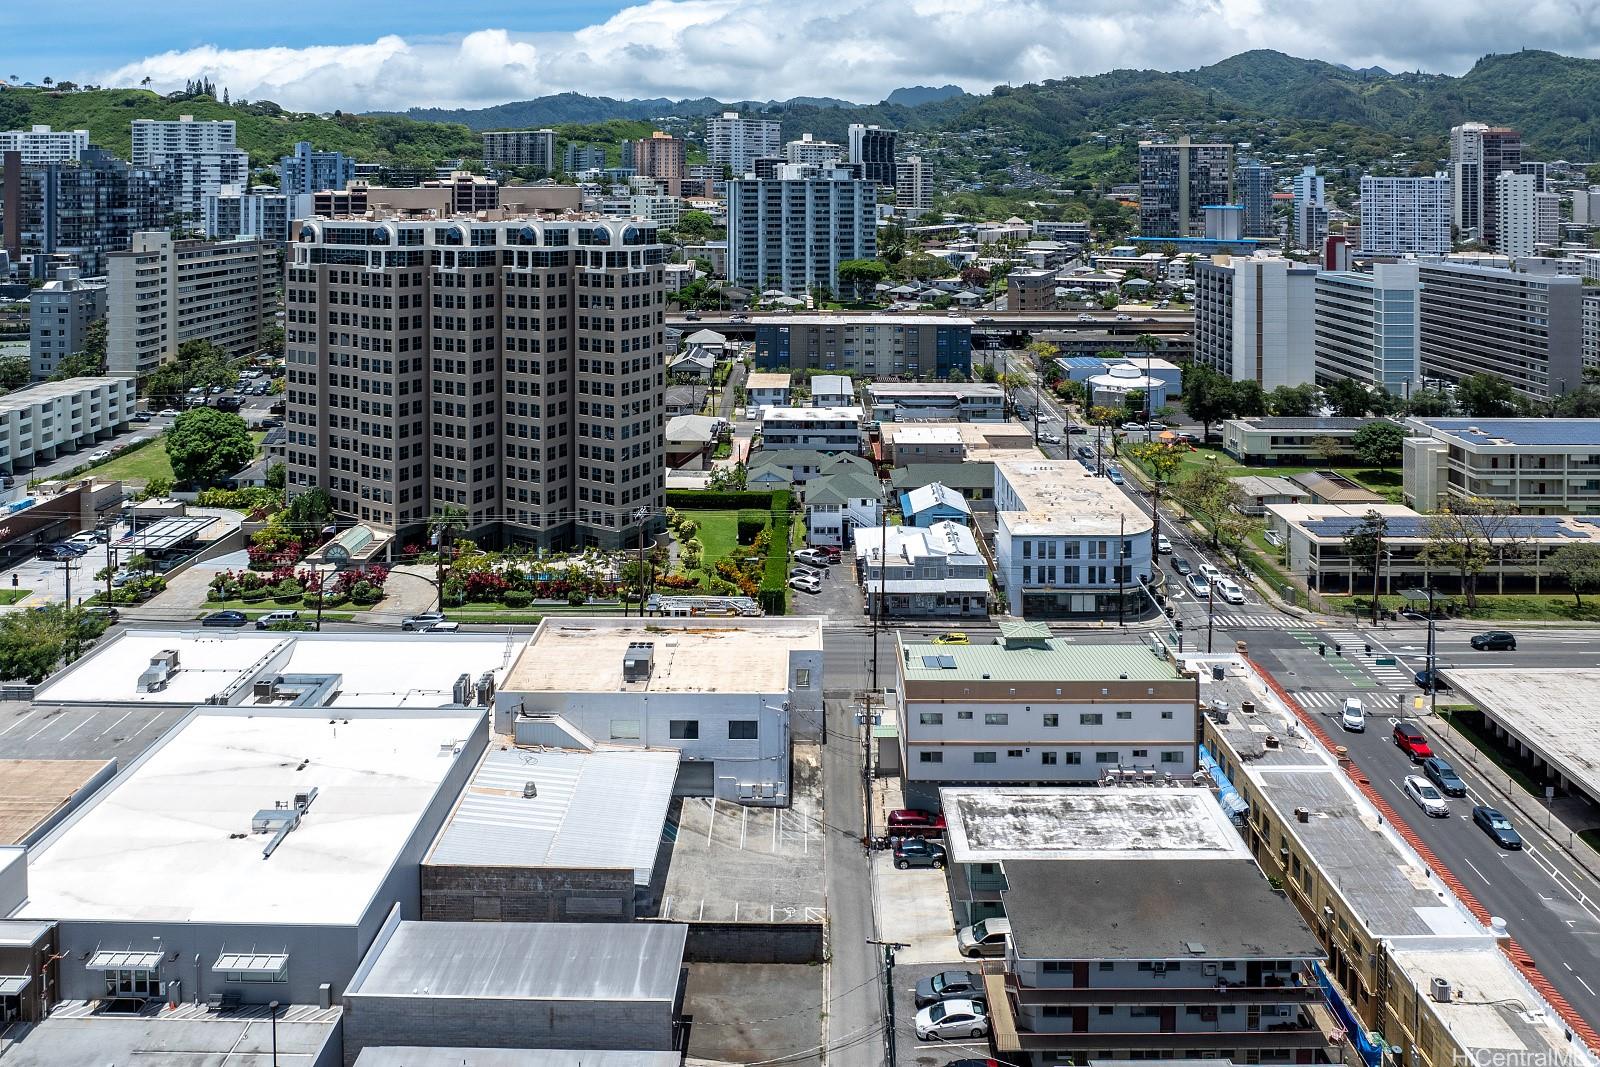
(888,995)
(883,576)
(1211,616)
(639,515)
(1433,661)
(1377,567)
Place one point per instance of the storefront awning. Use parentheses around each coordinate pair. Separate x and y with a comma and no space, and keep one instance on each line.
(252,962)
(125,960)
(12,985)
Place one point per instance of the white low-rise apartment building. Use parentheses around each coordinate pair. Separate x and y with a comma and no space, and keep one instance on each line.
(1029,708)
(822,429)
(719,691)
(43,422)
(935,570)
(1068,543)
(767,389)
(1535,466)
(841,503)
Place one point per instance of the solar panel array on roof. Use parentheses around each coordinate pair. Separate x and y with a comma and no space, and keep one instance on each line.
(1417,526)
(1552,432)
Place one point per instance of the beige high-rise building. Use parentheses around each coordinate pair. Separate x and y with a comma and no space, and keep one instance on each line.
(164,292)
(514,369)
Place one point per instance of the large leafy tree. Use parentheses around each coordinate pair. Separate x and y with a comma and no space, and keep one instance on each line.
(1248,399)
(1379,443)
(1292,401)
(1483,396)
(32,643)
(1207,397)
(206,445)
(861,275)
(1578,566)
(1349,399)
(90,360)
(1430,404)
(14,372)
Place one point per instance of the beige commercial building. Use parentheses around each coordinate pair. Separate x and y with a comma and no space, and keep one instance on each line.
(514,369)
(165,292)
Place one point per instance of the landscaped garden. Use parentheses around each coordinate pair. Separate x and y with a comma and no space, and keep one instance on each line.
(730,544)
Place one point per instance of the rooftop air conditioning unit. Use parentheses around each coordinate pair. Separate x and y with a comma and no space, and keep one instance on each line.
(638,661)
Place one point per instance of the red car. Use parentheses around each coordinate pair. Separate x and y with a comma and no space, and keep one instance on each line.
(1411,742)
(913,822)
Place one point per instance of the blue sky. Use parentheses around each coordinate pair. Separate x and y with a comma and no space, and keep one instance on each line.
(394,54)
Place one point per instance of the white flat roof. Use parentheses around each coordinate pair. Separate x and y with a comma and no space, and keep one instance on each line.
(1166,823)
(577,655)
(1493,1010)
(378,670)
(1062,499)
(177,809)
(1551,710)
(794,414)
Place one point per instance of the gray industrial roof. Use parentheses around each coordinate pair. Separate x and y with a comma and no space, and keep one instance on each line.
(527,961)
(1149,909)
(411,1056)
(575,817)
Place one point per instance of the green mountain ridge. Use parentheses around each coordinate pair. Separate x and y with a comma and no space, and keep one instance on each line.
(1359,115)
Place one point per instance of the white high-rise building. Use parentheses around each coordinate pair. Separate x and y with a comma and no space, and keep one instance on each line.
(808,150)
(1405,216)
(792,234)
(913,192)
(164,292)
(233,212)
(1478,154)
(184,137)
(1586,206)
(1253,319)
(736,142)
(43,145)
(1516,213)
(1547,217)
(196,159)
(1366,327)
(1310,209)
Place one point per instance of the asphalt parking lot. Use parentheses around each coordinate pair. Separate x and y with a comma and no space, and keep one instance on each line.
(754,1013)
(840,597)
(736,863)
(51,731)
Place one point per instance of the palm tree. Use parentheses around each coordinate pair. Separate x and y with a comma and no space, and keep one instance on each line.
(447,520)
(48,81)
(145,82)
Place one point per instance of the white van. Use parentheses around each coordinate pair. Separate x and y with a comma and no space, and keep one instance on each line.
(985,938)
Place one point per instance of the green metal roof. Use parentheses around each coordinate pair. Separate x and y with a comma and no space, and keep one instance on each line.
(976,475)
(1056,661)
(841,488)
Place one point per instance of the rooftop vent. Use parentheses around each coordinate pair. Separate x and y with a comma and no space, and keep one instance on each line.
(163,665)
(638,661)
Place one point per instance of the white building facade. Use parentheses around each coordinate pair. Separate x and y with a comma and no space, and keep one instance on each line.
(736,142)
(1034,709)
(1517,212)
(1405,216)
(41,144)
(793,234)
(1253,319)
(45,421)
(1366,327)
(823,429)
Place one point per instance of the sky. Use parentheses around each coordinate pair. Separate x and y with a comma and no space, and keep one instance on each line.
(360,55)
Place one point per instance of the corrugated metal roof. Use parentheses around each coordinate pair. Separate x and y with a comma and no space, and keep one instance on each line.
(530,961)
(591,809)
(1057,661)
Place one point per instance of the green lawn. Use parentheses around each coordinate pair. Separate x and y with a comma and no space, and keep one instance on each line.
(11,596)
(718,532)
(1385,482)
(149,462)
(1554,607)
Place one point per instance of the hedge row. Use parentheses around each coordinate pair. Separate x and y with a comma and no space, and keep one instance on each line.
(775,577)
(721,500)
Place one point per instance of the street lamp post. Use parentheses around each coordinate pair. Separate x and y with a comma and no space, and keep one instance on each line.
(272,1010)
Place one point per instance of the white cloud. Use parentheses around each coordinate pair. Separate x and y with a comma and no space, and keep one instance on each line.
(860,49)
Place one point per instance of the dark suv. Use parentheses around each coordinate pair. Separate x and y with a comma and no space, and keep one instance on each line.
(918,852)
(1494,641)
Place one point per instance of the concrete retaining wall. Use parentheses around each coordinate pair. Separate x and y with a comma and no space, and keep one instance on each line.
(753,943)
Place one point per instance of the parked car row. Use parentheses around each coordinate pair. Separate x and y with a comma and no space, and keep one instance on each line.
(1438,781)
